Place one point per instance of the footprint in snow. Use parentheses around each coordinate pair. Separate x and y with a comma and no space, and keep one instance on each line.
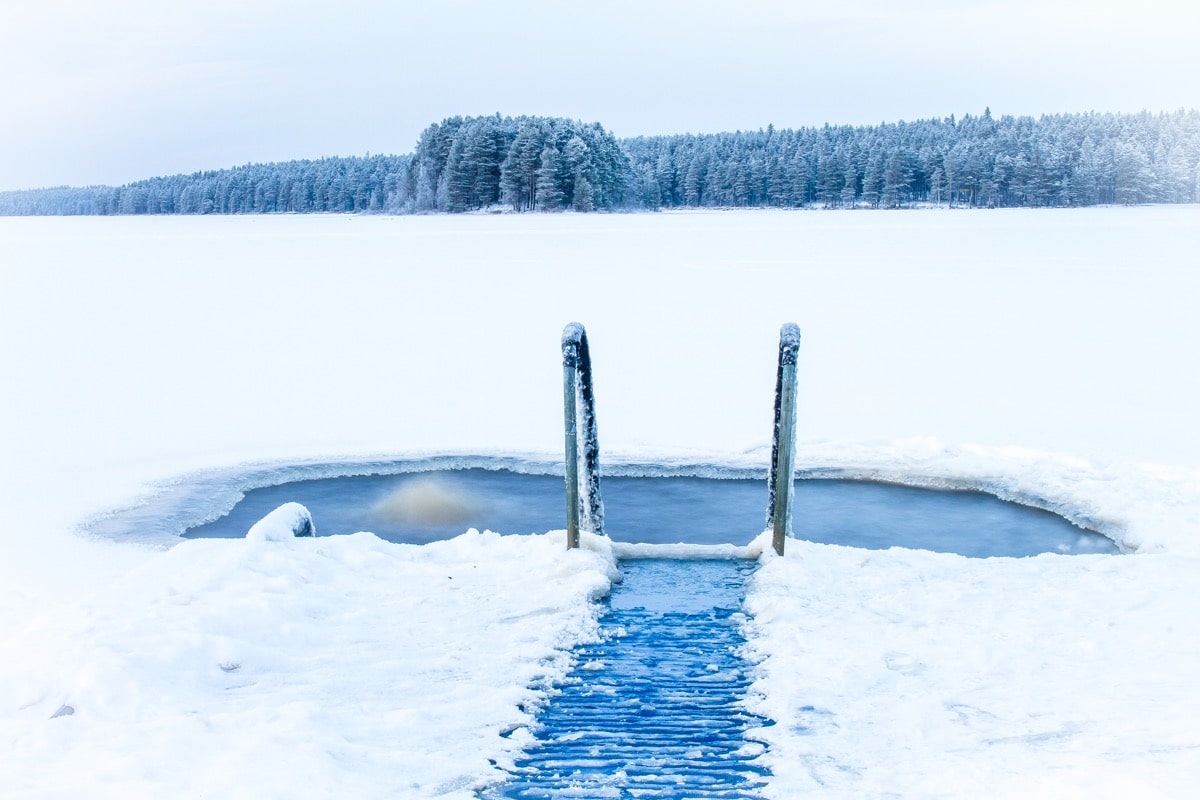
(903,663)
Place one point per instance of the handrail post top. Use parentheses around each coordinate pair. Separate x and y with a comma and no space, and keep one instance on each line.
(573,334)
(789,343)
(573,338)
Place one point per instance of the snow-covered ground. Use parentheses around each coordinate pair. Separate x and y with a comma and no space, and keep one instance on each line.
(1043,355)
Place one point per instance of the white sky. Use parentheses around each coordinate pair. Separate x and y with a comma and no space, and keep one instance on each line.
(115,90)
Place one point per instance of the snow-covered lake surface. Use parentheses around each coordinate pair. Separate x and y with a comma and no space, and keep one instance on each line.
(1045,356)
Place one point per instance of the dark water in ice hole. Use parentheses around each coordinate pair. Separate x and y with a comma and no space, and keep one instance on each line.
(425,507)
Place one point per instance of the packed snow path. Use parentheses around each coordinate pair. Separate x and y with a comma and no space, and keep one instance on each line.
(654,708)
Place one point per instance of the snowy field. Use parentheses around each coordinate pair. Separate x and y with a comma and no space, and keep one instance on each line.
(1043,355)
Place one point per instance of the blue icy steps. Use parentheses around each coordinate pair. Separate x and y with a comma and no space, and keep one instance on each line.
(653,710)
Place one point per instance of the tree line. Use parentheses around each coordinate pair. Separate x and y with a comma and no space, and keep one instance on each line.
(328,185)
(1060,160)
(548,164)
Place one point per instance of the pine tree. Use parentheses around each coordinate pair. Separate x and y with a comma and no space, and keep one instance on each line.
(549,194)
(1134,179)
(518,173)
(895,181)
(873,178)
(583,194)
(849,190)
(937,185)
(692,182)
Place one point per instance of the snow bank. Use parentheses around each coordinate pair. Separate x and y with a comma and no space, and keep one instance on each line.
(315,667)
(914,674)
(286,522)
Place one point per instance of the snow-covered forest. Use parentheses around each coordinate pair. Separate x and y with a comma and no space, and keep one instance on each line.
(549,164)
(1061,160)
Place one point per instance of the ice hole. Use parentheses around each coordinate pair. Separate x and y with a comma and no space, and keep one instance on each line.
(418,508)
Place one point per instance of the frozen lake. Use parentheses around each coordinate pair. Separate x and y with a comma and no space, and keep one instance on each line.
(209,340)
(1040,355)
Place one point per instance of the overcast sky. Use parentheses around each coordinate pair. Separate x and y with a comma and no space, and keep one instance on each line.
(115,90)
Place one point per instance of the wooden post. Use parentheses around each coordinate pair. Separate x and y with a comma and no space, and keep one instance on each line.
(570,417)
(584,511)
(782,473)
(591,507)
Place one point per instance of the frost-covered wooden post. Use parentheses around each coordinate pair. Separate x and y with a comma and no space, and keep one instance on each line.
(570,418)
(781,475)
(584,507)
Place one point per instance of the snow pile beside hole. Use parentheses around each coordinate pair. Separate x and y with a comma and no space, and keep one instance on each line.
(289,521)
(915,674)
(340,666)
